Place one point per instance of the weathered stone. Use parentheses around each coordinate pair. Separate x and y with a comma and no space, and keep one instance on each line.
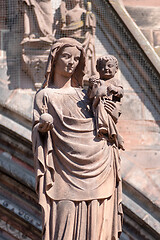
(132,102)
(139,180)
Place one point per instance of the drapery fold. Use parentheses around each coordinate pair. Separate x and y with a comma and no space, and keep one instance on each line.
(75,167)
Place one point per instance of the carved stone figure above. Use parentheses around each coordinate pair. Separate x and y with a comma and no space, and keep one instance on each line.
(77,22)
(34,30)
(38,23)
(38,20)
(78,172)
(31,28)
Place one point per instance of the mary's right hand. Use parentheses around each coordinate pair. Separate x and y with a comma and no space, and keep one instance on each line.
(45,127)
(112,109)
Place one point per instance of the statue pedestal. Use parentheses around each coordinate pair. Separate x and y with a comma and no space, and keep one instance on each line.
(34,58)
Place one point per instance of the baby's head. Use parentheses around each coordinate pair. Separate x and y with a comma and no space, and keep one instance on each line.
(107,66)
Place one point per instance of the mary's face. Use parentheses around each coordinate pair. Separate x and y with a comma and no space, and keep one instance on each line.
(67,61)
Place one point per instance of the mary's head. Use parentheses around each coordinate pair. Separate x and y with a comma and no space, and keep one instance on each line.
(61,51)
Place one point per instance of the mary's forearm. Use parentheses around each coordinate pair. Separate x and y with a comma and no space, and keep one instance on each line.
(112,110)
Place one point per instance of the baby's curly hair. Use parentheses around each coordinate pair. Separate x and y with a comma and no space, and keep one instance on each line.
(104,59)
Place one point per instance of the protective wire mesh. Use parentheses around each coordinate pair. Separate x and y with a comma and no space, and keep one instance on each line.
(113,39)
(136,71)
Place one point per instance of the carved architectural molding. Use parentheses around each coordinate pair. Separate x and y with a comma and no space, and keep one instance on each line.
(5,226)
(20,212)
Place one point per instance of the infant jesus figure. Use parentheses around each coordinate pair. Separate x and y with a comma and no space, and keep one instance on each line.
(106,93)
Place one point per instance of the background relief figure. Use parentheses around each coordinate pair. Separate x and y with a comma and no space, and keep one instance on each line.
(38,19)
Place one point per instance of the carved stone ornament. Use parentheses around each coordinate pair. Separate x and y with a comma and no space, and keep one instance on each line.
(35,68)
(34,61)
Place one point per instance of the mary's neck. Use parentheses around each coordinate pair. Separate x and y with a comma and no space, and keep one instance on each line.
(61,81)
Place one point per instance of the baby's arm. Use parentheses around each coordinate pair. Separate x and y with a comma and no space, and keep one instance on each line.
(94,83)
(97,89)
(117,91)
(116,88)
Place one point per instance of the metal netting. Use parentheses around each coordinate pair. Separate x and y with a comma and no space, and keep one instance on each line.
(139,76)
(112,37)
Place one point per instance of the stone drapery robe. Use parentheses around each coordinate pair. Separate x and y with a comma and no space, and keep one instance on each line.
(75,167)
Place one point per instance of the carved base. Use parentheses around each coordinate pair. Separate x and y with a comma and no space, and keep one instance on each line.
(34,58)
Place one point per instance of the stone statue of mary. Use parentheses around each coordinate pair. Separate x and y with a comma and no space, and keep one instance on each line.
(77,173)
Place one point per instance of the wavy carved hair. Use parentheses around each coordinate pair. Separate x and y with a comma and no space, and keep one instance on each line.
(104,59)
(77,77)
